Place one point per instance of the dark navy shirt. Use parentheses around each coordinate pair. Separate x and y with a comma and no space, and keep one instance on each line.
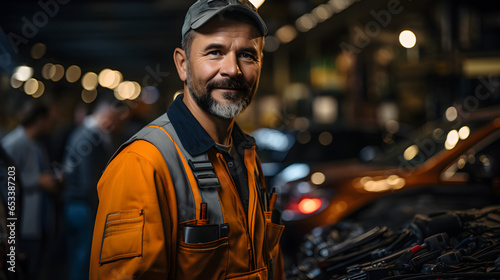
(196,141)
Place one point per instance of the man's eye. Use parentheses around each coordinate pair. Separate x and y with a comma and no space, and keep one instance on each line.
(248,56)
(214,53)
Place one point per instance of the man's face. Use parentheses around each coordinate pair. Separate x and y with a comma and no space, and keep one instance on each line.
(224,67)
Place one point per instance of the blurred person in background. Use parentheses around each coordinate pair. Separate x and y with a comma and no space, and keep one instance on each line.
(39,181)
(88,150)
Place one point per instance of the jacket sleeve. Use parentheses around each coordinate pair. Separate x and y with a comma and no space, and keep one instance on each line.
(134,228)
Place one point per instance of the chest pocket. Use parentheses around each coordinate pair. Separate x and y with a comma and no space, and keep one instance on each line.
(273,236)
(206,260)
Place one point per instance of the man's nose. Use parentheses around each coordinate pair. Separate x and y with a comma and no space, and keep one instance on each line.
(230,66)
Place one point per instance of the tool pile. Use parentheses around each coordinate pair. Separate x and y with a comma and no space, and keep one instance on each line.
(443,245)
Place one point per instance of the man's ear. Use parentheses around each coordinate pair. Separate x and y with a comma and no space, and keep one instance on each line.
(180,63)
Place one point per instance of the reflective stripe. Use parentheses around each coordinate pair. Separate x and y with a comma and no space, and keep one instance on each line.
(188,198)
(186,171)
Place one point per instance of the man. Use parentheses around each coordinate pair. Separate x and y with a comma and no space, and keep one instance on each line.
(34,168)
(186,199)
(87,152)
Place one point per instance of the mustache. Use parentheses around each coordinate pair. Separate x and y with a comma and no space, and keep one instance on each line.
(229,83)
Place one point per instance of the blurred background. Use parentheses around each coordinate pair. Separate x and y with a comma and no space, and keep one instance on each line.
(352,92)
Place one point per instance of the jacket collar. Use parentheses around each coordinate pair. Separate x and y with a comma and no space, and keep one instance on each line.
(193,136)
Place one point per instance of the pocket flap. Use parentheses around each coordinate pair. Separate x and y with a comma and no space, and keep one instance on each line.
(123,234)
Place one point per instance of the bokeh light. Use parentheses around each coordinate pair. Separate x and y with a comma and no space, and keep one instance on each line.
(88,96)
(125,90)
(304,137)
(15,83)
(59,73)
(309,205)
(23,73)
(451,114)
(48,71)
(451,140)
(318,178)
(137,91)
(464,132)
(325,138)
(272,44)
(286,34)
(322,12)
(39,92)
(407,39)
(107,78)
(38,50)
(150,95)
(411,152)
(31,86)
(89,81)
(118,78)
(306,22)
(73,73)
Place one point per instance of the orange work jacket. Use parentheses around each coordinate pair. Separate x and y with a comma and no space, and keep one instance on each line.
(137,234)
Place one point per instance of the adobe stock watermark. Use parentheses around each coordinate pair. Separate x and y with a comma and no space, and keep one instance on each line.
(154,74)
(31,27)
(363,37)
(487,88)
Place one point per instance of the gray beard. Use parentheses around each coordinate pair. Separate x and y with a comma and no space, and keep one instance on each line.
(211,106)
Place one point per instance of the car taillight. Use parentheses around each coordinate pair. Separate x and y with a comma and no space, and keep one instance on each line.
(309,205)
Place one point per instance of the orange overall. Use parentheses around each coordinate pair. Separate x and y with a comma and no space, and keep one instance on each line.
(137,233)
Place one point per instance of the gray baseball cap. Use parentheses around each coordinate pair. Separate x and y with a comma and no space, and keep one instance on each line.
(204,10)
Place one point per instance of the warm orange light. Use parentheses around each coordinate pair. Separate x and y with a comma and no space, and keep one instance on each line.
(309,205)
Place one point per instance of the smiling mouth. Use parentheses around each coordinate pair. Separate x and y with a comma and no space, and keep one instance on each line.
(231,93)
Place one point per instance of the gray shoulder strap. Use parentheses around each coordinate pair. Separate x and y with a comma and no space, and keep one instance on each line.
(204,172)
(201,167)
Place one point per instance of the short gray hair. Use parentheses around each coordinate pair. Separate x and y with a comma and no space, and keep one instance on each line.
(187,42)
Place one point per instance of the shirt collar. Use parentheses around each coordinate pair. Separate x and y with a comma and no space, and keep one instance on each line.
(193,136)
